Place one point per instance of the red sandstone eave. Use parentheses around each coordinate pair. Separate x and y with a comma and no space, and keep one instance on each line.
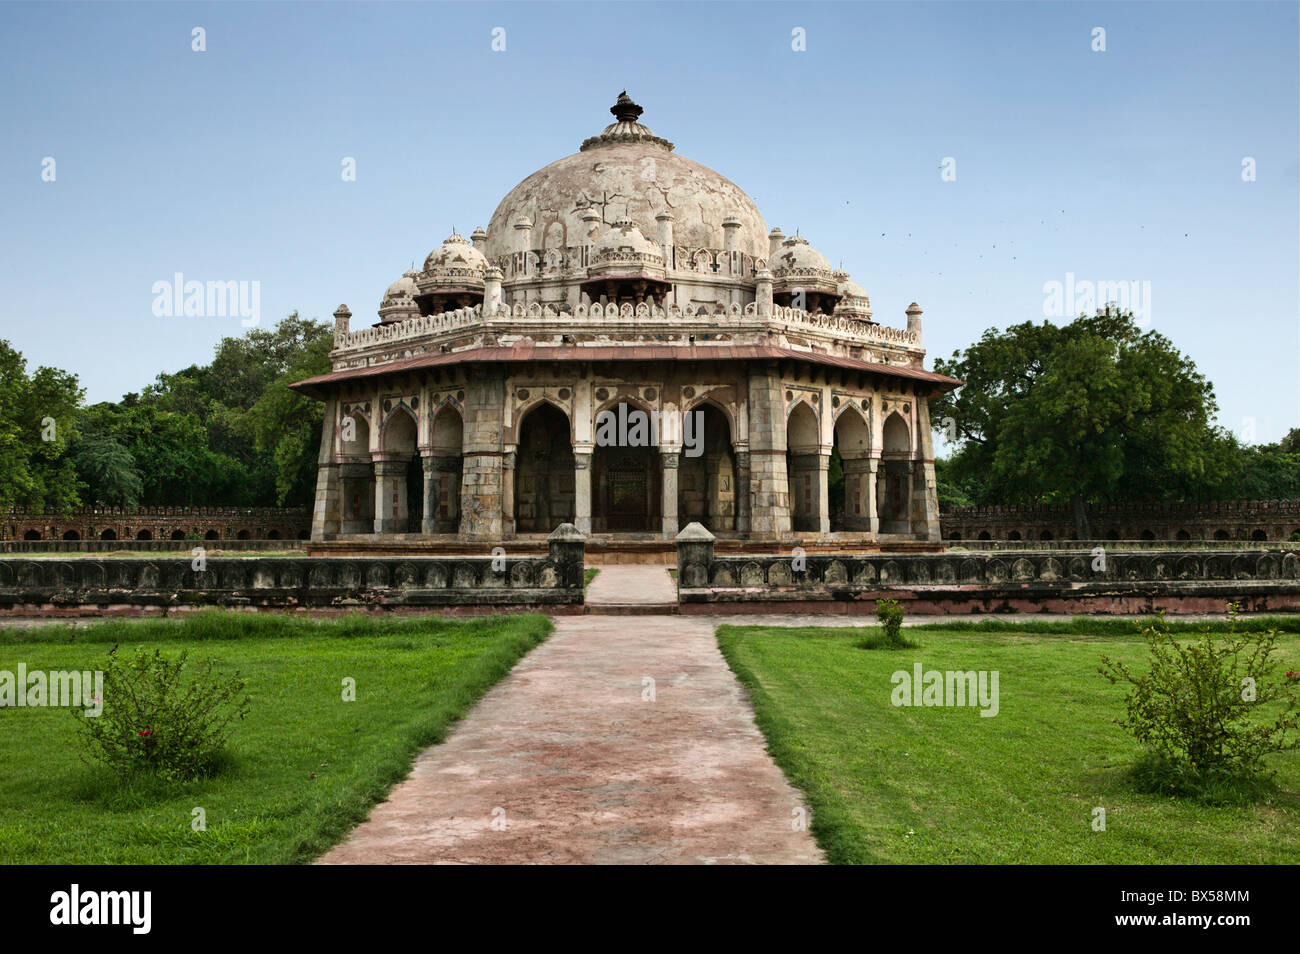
(524,352)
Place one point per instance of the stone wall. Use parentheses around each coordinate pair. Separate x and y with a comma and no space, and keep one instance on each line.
(159,523)
(1004,581)
(88,586)
(1257,520)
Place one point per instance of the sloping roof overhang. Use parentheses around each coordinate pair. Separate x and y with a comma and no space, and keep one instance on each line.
(524,352)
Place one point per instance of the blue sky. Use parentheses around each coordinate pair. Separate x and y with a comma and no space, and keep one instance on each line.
(1123,165)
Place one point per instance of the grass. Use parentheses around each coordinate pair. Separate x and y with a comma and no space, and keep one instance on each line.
(589,574)
(945,786)
(303,769)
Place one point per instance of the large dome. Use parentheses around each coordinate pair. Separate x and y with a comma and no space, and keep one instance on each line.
(626,172)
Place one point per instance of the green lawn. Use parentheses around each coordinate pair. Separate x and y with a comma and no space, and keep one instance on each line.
(939,785)
(589,574)
(306,766)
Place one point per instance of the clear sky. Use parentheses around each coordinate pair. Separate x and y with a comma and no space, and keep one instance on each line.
(1123,165)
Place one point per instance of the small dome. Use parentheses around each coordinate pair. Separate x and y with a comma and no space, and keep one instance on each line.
(455,256)
(624,236)
(797,257)
(399,301)
(853,302)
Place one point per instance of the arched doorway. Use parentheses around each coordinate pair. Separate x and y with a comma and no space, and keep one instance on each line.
(394,464)
(544,479)
(356,475)
(850,473)
(440,503)
(706,472)
(144,535)
(894,490)
(108,535)
(178,534)
(803,468)
(71,535)
(32,535)
(625,474)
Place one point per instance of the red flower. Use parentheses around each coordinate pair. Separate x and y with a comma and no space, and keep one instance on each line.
(145,732)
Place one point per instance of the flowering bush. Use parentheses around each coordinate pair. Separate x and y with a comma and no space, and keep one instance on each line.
(156,722)
(1208,709)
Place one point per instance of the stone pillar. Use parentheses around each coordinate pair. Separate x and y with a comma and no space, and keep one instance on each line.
(358,496)
(769,489)
(432,493)
(391,514)
(480,483)
(582,489)
(669,459)
(928,487)
(763,292)
(820,474)
(742,491)
(873,484)
(492,291)
(327,510)
(694,556)
(508,460)
(859,493)
(567,547)
(775,238)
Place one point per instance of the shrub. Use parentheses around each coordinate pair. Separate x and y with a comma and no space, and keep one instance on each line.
(155,722)
(890,614)
(1208,709)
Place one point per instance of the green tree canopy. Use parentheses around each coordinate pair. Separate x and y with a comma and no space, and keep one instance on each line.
(1096,410)
(38,421)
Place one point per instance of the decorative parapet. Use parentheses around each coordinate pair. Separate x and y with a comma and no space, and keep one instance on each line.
(999,580)
(28,585)
(525,318)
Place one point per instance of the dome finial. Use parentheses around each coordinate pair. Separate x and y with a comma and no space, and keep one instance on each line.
(626,111)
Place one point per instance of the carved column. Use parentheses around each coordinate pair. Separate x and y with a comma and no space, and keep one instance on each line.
(872,481)
(742,491)
(327,512)
(859,493)
(820,476)
(770,503)
(391,514)
(508,493)
(432,493)
(582,488)
(358,496)
(669,460)
(480,481)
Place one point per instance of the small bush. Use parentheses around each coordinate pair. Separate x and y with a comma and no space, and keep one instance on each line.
(155,722)
(890,614)
(1207,710)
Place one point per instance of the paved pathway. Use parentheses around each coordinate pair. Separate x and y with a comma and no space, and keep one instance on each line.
(632,585)
(566,760)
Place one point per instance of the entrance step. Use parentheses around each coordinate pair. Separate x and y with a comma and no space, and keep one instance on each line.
(631,609)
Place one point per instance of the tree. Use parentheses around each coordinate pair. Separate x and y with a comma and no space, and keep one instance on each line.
(38,421)
(1092,411)
(109,471)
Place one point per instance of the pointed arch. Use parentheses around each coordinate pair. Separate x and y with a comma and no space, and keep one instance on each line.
(850,475)
(544,469)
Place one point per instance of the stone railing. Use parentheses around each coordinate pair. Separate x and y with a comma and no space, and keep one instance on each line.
(55,547)
(733,318)
(1248,520)
(1200,580)
(87,586)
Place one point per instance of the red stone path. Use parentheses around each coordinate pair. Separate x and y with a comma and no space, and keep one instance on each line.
(567,760)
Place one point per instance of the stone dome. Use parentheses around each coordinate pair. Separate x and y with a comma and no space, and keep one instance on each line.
(797,257)
(399,300)
(455,256)
(624,236)
(626,172)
